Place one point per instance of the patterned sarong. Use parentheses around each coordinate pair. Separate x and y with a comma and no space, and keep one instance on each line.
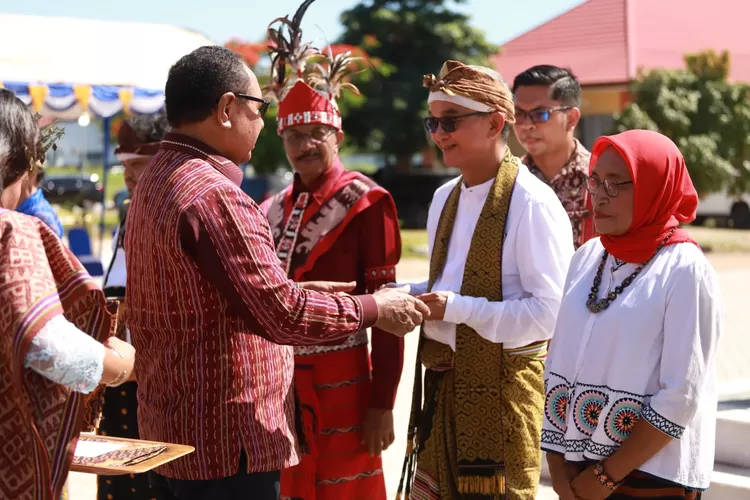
(478,434)
(332,381)
(638,485)
(641,485)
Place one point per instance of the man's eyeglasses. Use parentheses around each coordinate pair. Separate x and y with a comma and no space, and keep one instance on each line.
(612,188)
(449,123)
(538,115)
(318,135)
(264,104)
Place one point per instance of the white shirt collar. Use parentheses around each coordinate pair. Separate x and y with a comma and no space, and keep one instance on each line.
(480,190)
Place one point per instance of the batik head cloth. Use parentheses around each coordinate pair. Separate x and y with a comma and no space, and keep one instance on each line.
(131,146)
(473,87)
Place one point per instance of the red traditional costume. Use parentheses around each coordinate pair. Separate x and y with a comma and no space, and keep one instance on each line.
(343,228)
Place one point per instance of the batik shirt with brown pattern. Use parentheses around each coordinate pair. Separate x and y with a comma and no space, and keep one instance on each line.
(570,186)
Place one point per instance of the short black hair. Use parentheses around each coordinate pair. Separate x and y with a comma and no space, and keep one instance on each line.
(565,87)
(197,81)
(149,128)
(19,135)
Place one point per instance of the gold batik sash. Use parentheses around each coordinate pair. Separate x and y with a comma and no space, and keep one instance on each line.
(491,388)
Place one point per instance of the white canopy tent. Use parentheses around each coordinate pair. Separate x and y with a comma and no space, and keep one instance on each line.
(69,52)
(69,68)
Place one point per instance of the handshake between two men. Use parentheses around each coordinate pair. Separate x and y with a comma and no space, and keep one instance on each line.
(399,312)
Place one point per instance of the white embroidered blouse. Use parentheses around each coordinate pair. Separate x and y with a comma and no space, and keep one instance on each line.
(650,355)
(66,355)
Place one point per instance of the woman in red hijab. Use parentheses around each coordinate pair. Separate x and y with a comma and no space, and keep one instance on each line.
(631,400)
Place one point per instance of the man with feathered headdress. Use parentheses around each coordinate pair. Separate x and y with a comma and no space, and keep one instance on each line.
(500,244)
(332,224)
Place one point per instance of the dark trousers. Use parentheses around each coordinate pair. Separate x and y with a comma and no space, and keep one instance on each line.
(241,486)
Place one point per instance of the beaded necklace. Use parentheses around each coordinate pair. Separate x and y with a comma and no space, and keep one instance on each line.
(598,305)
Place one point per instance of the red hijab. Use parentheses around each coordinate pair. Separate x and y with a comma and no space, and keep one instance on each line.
(663,194)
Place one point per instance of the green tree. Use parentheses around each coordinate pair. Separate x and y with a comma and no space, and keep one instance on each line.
(411,38)
(269,154)
(707,116)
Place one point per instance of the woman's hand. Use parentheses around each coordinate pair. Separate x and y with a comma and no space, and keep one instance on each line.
(562,473)
(119,358)
(587,486)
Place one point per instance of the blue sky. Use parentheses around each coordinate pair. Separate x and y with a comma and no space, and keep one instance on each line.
(221,20)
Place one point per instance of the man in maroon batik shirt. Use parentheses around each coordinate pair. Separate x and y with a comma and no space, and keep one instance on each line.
(209,304)
(332,224)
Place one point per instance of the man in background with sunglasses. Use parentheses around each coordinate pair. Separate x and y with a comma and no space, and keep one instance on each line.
(209,303)
(332,224)
(500,243)
(548,100)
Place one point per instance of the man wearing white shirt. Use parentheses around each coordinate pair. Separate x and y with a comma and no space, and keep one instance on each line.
(500,243)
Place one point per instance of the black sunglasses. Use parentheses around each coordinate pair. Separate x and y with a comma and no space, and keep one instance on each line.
(449,123)
(264,103)
(538,115)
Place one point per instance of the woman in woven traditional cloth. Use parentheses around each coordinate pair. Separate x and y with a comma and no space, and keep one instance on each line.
(630,408)
(52,317)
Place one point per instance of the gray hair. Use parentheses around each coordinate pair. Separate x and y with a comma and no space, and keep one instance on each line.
(499,78)
(4,157)
(19,133)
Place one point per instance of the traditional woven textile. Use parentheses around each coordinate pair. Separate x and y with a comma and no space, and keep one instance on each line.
(40,419)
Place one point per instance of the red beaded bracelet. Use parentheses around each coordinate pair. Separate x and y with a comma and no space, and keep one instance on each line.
(604,480)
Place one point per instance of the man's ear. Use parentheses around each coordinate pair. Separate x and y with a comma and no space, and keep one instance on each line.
(574,116)
(339,137)
(497,122)
(223,109)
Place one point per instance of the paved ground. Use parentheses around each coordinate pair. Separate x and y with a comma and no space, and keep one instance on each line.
(733,363)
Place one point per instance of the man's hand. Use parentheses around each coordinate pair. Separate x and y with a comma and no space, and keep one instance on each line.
(406,288)
(398,312)
(436,302)
(377,430)
(328,286)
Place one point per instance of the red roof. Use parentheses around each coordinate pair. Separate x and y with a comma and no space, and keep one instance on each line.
(607,41)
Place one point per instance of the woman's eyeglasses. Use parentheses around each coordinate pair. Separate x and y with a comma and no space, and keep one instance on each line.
(449,123)
(264,104)
(612,188)
(538,115)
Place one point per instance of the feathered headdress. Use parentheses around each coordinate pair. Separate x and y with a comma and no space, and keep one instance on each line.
(305,97)
(48,136)
(331,77)
(287,50)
